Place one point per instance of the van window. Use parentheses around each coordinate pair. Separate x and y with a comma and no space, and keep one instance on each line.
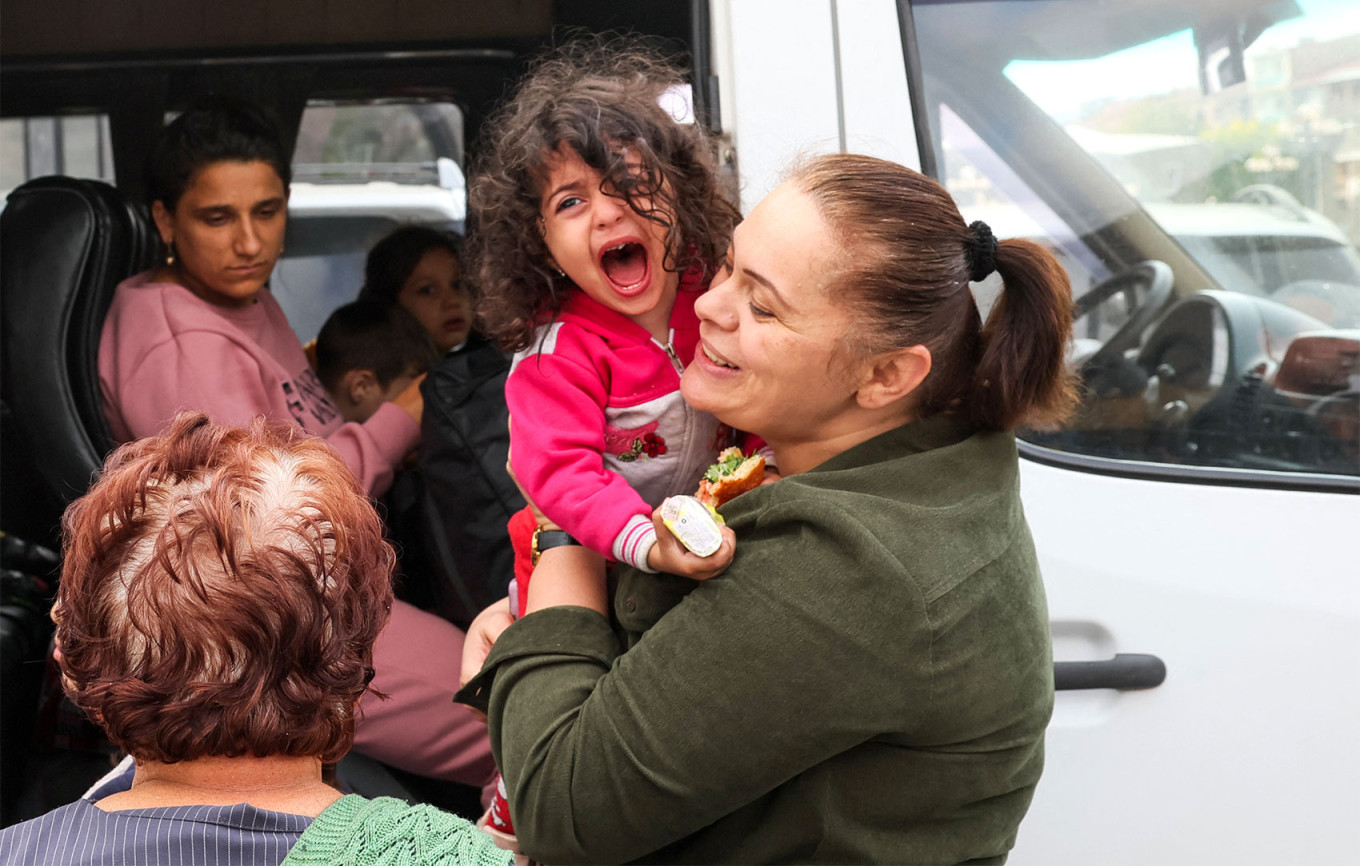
(376,134)
(986,188)
(361,169)
(1220,149)
(76,145)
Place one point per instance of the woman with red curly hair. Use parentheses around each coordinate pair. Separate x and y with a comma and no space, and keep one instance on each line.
(220,598)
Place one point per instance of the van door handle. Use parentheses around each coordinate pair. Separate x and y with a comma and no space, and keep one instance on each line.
(1125,672)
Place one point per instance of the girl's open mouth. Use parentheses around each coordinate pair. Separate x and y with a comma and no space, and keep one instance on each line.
(626,267)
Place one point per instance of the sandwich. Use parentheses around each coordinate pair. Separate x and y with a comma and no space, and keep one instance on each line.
(732,475)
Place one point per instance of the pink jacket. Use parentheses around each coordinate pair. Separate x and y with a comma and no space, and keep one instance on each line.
(163,349)
(599,433)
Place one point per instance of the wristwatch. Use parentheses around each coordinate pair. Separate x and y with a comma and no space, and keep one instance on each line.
(546,539)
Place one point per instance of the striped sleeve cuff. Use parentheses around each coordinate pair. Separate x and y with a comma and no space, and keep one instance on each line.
(768,453)
(635,542)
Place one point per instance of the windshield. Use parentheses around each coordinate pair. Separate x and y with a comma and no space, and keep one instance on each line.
(1258,139)
(1217,138)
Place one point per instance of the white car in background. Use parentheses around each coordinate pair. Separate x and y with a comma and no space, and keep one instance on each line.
(1278,250)
(336,213)
(338,209)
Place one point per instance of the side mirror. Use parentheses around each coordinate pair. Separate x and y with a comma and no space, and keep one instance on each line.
(1319,365)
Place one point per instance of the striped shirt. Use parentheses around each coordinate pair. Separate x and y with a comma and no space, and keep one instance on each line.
(80,833)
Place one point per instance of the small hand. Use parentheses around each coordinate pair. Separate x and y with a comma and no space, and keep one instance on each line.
(481,636)
(771,476)
(670,556)
(411,400)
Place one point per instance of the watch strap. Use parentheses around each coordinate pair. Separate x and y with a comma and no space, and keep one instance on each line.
(546,539)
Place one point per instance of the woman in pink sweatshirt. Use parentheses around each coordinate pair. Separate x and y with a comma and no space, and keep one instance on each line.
(203,332)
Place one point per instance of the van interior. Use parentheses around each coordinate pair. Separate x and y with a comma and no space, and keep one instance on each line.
(381,102)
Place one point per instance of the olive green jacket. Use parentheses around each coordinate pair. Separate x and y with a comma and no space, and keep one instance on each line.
(868,682)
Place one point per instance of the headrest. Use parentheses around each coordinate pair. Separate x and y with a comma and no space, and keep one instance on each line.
(67,244)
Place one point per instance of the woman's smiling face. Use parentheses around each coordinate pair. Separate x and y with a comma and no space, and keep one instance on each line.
(768,358)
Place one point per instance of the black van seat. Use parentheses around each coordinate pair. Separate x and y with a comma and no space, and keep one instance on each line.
(67,244)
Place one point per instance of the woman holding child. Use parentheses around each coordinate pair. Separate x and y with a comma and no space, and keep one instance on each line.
(870,678)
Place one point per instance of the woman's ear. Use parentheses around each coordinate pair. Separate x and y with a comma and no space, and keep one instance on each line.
(892,376)
(164,224)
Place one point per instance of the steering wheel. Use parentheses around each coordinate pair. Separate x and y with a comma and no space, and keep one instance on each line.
(1146,290)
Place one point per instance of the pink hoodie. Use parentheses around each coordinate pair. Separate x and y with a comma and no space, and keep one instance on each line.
(600,433)
(163,349)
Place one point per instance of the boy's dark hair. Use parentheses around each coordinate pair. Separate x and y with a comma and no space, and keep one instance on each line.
(392,259)
(372,335)
(212,129)
(595,96)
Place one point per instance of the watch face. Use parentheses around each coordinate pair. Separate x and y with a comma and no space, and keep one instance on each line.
(534,551)
(546,539)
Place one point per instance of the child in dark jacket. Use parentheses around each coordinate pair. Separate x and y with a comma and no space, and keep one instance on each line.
(420,269)
(448,511)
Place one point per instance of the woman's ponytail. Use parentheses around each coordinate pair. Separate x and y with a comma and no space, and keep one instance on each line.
(908,285)
(1022,375)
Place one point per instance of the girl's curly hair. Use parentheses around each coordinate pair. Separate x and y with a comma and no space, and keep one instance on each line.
(596,96)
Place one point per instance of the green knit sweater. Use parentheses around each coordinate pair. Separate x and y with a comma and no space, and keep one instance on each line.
(356,831)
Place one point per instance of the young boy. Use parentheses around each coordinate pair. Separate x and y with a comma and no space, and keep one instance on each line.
(369,352)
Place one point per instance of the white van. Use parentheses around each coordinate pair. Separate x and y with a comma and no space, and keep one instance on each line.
(1195,164)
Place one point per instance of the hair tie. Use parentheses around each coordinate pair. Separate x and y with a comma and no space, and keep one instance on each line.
(981,252)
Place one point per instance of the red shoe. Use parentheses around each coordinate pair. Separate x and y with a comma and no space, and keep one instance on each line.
(498,816)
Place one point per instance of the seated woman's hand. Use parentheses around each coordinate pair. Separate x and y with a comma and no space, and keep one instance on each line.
(670,556)
(411,400)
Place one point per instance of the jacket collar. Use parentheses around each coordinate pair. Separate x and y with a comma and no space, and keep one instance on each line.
(915,437)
